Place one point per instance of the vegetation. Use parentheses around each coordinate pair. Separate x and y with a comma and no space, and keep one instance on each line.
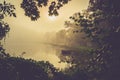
(12,68)
(31,7)
(6,9)
(99,23)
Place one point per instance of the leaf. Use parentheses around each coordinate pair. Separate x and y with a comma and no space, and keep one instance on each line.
(14,14)
(4,2)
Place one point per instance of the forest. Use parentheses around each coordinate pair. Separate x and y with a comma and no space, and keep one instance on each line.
(89,43)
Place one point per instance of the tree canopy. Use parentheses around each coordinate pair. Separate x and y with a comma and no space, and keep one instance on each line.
(6,9)
(31,7)
(23,69)
(100,23)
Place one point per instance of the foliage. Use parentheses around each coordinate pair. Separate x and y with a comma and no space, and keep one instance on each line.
(5,9)
(3,54)
(100,23)
(55,6)
(15,68)
(31,7)
(4,29)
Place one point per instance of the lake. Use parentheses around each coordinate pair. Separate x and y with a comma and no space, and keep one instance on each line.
(37,51)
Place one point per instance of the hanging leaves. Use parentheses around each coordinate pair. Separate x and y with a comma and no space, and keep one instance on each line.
(55,6)
(6,9)
(4,29)
(31,7)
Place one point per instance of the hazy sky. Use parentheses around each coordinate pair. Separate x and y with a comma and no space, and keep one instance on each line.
(45,24)
(24,31)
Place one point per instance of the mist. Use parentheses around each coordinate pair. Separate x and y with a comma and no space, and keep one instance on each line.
(42,39)
(45,46)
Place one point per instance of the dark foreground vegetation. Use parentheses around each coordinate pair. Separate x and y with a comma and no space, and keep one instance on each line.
(16,68)
(101,24)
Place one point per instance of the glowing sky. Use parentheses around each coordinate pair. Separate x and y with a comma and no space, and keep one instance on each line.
(25,31)
(45,24)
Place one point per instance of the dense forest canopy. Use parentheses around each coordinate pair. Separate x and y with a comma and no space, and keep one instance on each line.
(100,25)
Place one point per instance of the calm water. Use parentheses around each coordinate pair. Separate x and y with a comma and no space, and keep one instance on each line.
(36,51)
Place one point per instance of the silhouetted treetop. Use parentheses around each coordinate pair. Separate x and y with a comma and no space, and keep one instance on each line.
(6,9)
(31,7)
(55,6)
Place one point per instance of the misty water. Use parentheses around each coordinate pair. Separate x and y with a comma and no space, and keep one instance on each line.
(37,51)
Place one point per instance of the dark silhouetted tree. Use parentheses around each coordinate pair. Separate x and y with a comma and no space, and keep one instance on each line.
(6,9)
(101,24)
(31,7)
(23,69)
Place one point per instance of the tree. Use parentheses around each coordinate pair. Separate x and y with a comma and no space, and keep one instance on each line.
(100,22)
(6,9)
(31,7)
(16,68)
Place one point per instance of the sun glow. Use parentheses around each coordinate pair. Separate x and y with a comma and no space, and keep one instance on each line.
(52,18)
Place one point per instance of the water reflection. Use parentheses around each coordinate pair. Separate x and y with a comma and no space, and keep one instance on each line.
(36,51)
